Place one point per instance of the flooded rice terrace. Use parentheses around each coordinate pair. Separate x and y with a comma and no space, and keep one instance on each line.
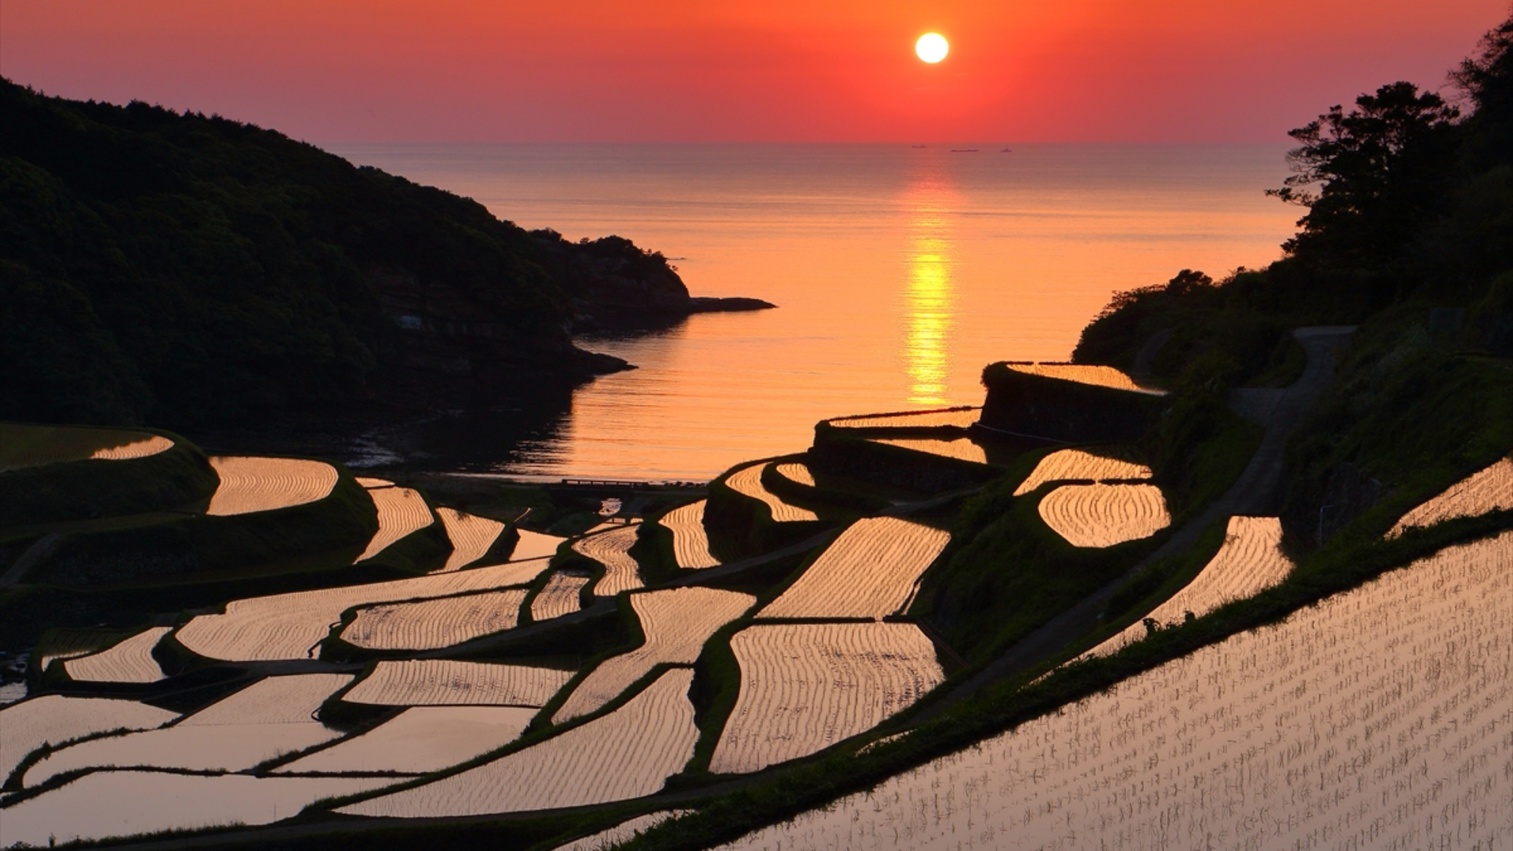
(530,673)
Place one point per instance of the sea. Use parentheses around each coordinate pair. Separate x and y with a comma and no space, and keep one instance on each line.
(899,272)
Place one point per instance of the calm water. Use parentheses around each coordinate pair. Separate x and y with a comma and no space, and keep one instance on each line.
(899,271)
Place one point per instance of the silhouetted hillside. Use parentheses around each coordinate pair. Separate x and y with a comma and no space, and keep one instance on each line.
(184,269)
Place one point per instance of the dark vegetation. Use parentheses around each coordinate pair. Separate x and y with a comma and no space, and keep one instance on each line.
(190,271)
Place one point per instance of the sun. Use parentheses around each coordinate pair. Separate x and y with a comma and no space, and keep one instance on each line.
(932,47)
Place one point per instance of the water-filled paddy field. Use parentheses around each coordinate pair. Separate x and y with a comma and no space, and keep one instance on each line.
(479,683)
(1378,718)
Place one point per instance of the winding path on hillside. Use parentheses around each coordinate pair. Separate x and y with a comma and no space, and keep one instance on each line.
(1255,492)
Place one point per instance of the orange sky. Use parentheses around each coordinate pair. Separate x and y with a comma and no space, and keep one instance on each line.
(779,70)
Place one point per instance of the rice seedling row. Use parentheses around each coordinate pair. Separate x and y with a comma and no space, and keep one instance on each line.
(612,549)
(289,626)
(676,623)
(448,682)
(1103,376)
(1077,464)
(130,661)
(1378,718)
(562,595)
(471,536)
(796,473)
(1249,561)
(267,719)
(431,624)
(264,484)
(626,753)
(1101,515)
(55,719)
(401,511)
(122,803)
(420,740)
(622,832)
(748,482)
(868,572)
(957,418)
(805,687)
(1483,492)
(690,543)
(958,448)
(35,446)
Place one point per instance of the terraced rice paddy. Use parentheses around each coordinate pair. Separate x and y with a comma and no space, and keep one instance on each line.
(1102,515)
(676,623)
(447,682)
(431,624)
(1378,718)
(562,595)
(868,572)
(953,417)
(471,536)
(622,832)
(1250,561)
(690,543)
(534,545)
(612,549)
(748,482)
(796,473)
(288,626)
(127,662)
(265,484)
(123,803)
(1077,464)
(420,740)
(54,719)
(805,687)
(33,446)
(1483,492)
(1103,376)
(73,643)
(273,716)
(401,511)
(625,754)
(959,448)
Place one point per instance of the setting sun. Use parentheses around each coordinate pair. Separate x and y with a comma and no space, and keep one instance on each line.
(932,47)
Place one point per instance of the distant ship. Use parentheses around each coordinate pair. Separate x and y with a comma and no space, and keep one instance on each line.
(963,150)
(1007,151)
(918,146)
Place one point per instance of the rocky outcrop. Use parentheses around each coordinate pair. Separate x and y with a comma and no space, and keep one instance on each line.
(615,284)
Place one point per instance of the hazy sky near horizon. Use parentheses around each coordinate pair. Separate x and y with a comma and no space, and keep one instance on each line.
(705,70)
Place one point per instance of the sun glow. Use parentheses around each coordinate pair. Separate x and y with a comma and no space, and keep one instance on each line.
(931,48)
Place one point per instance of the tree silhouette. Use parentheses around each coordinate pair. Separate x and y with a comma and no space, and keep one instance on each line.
(1367,176)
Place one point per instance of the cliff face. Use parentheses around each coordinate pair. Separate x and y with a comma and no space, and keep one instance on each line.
(191,270)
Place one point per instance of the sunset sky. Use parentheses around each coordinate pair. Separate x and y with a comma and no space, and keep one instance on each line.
(781,70)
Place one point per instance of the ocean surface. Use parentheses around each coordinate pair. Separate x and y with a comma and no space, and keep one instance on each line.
(899,272)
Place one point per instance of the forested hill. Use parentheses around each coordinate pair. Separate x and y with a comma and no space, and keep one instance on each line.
(181,269)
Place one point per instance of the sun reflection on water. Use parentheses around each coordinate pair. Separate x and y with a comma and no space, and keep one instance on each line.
(929,298)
